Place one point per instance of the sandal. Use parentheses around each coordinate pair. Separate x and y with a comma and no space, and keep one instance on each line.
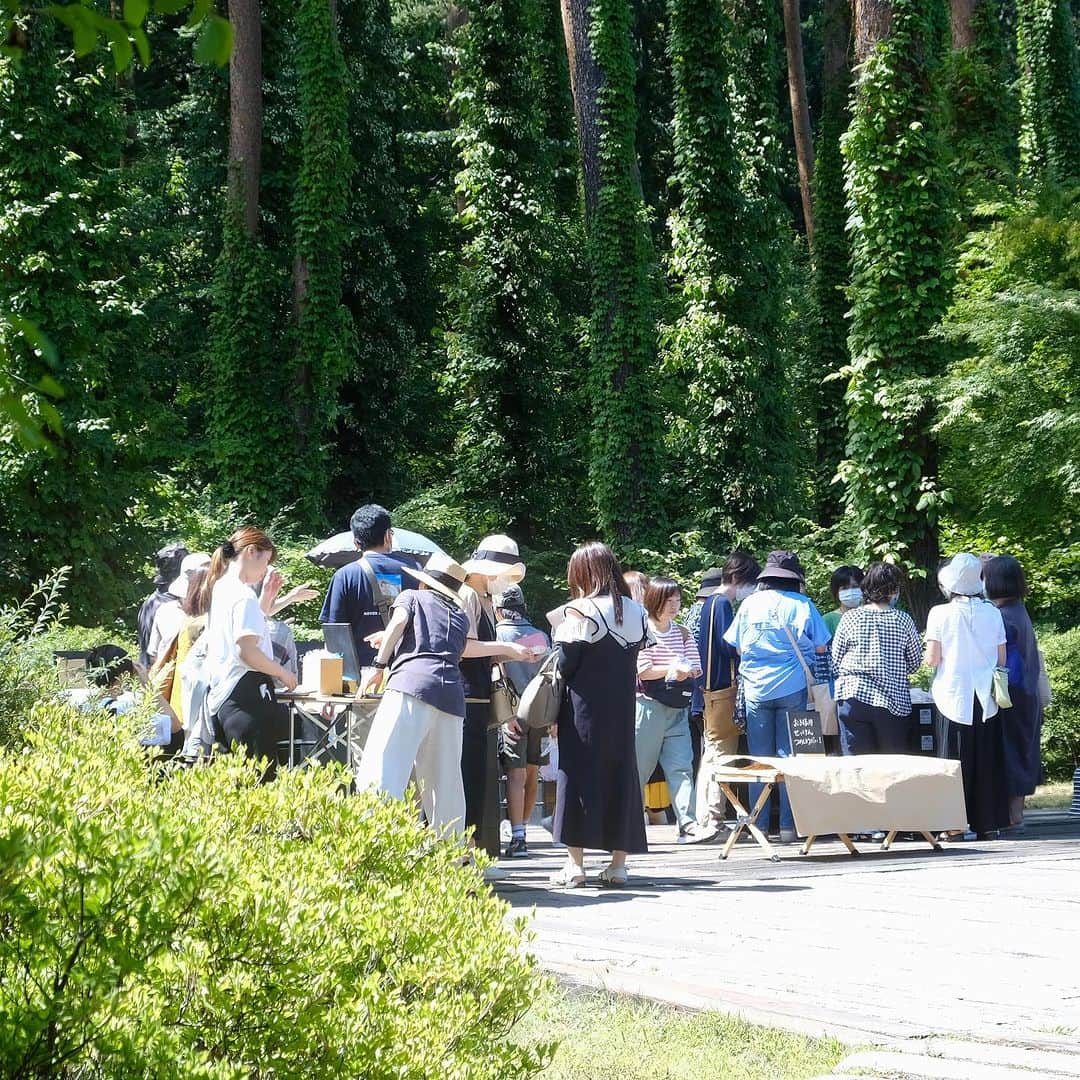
(565,878)
(614,877)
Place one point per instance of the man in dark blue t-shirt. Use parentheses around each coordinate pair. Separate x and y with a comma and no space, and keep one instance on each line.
(360,591)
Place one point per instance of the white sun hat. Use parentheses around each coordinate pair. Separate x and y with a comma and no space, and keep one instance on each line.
(190,565)
(961,576)
(496,556)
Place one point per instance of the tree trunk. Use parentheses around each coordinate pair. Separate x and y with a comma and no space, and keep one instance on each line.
(837,41)
(873,20)
(245,113)
(800,112)
(585,86)
(960,17)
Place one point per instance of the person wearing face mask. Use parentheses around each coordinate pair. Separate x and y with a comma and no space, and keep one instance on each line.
(846,588)
(666,670)
(874,650)
(714,696)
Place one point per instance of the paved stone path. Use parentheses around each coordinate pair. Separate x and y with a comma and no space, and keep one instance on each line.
(980,941)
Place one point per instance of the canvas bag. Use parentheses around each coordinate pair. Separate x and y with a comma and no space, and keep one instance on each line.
(719,704)
(504,698)
(541,700)
(818,695)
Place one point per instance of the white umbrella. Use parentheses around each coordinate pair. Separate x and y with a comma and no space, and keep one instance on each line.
(340,551)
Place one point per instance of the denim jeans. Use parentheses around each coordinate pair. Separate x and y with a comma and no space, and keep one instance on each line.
(767,736)
(663,734)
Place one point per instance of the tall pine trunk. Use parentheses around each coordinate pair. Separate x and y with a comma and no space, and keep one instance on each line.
(800,112)
(245,113)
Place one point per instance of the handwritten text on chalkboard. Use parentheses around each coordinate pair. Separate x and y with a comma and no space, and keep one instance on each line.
(804,726)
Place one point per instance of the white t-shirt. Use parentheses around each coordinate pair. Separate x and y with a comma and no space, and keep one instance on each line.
(168,619)
(234,614)
(970,630)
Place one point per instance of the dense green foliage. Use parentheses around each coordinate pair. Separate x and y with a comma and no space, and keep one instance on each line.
(1061,722)
(901,216)
(427,317)
(509,376)
(172,922)
(623,462)
(1049,90)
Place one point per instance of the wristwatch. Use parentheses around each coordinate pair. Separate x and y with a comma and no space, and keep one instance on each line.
(378,664)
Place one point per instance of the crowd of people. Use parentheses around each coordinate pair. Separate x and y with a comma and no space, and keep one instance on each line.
(647,682)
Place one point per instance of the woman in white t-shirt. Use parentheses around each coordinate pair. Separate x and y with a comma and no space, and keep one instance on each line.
(965,641)
(240,657)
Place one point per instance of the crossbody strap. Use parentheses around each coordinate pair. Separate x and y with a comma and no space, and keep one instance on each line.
(382,605)
(810,680)
(708,656)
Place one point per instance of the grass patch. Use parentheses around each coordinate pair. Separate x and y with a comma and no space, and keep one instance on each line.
(1051,797)
(605,1035)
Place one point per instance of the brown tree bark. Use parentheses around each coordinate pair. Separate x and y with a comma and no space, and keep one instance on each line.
(585,86)
(960,15)
(245,112)
(873,21)
(800,112)
(836,42)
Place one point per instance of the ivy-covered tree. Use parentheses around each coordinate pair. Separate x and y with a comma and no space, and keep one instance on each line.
(1049,90)
(509,377)
(624,458)
(831,256)
(901,214)
(719,434)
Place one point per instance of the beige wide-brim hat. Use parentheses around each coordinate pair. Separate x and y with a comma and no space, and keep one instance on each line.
(496,556)
(443,575)
(961,575)
(190,565)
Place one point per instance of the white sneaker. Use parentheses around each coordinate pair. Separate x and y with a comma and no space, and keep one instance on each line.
(787,836)
(494,873)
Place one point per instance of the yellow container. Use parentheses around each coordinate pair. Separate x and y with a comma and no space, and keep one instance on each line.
(657,796)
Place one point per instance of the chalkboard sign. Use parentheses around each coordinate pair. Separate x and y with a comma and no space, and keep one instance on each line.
(804,727)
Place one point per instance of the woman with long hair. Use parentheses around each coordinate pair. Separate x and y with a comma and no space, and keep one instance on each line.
(241,697)
(598,801)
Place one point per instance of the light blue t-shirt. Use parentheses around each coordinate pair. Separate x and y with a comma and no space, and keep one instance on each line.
(768,667)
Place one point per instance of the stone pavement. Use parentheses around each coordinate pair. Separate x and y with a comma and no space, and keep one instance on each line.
(978,942)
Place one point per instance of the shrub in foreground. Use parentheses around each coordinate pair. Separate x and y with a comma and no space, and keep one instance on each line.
(194,923)
(1061,722)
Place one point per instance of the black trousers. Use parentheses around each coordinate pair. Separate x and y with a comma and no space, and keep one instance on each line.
(252,718)
(870,729)
(980,749)
(480,776)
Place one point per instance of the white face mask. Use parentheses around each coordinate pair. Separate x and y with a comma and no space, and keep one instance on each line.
(743,591)
(498,585)
(850,597)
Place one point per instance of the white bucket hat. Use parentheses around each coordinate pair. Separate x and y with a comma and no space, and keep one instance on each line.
(961,576)
(496,556)
(443,575)
(199,560)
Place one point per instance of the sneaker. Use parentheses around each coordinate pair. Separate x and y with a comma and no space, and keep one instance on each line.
(517,848)
(787,836)
(695,834)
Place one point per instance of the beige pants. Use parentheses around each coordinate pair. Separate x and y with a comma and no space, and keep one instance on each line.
(719,710)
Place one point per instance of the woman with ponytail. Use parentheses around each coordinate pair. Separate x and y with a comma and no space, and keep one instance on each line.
(240,657)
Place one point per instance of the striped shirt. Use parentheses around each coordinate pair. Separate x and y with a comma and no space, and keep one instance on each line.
(671,646)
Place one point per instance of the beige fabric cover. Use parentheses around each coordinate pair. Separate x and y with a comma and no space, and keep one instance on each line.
(871,792)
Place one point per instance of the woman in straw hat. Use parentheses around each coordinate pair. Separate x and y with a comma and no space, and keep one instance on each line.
(492,568)
(965,641)
(419,721)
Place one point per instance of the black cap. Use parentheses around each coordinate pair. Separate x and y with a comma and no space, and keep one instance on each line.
(168,561)
(711,581)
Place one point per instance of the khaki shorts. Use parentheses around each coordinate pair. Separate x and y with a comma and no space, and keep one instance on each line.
(524,749)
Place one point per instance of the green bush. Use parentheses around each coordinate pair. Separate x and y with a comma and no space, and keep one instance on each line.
(195,923)
(1061,722)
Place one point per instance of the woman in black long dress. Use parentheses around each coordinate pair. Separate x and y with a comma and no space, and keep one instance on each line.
(598,799)
(1021,725)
